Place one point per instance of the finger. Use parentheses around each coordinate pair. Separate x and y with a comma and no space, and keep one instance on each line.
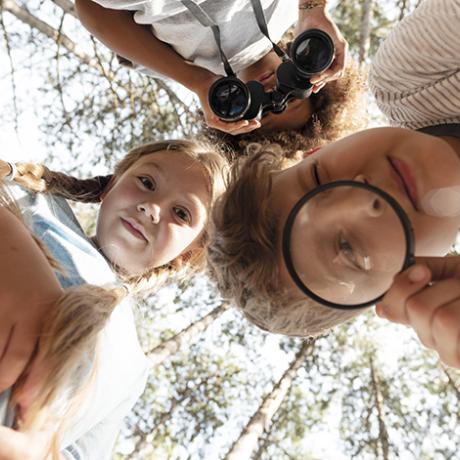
(318,87)
(17,355)
(446,333)
(424,307)
(334,72)
(441,267)
(405,284)
(255,124)
(230,125)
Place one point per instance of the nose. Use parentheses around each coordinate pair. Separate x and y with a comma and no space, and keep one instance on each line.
(151,210)
(369,202)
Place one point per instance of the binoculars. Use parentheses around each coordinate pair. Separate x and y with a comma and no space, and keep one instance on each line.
(311,53)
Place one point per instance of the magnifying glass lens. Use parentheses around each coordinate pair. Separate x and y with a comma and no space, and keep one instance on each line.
(344,244)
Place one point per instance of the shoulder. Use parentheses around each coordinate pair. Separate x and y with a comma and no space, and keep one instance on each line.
(417,64)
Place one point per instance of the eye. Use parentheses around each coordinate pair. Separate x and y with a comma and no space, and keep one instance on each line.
(347,251)
(147,182)
(315,174)
(182,214)
(353,257)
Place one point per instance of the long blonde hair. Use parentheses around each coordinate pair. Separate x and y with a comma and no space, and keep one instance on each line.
(69,333)
(39,178)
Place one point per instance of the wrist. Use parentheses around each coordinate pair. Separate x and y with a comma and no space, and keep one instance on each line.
(199,80)
(306,5)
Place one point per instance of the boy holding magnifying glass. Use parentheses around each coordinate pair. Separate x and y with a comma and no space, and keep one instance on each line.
(418,165)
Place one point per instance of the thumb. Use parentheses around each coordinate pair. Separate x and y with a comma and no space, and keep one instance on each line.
(441,267)
(405,285)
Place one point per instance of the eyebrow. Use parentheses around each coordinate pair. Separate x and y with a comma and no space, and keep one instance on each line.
(154,164)
(200,207)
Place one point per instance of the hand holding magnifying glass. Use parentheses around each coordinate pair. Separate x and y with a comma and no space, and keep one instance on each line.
(426,297)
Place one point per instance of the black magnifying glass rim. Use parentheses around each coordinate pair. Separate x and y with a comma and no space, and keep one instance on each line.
(404,219)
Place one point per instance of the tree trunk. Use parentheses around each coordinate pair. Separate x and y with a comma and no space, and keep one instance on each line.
(383,433)
(365,35)
(184,337)
(246,444)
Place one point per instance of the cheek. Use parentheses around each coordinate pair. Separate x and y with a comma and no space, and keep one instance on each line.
(434,237)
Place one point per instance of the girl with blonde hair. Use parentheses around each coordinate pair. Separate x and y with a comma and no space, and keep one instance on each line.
(152,223)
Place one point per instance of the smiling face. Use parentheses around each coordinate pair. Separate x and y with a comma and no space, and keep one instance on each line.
(154,212)
(406,164)
(297,112)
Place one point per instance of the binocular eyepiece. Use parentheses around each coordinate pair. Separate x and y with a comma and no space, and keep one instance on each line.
(311,53)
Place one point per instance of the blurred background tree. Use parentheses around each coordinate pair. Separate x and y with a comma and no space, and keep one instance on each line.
(367,391)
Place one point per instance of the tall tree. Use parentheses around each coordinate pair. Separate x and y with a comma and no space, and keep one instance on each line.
(247,442)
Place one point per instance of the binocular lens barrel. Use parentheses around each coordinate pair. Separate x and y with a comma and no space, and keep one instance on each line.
(229,98)
(312,52)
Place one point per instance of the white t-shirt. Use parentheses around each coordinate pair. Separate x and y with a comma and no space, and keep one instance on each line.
(242,41)
(122,368)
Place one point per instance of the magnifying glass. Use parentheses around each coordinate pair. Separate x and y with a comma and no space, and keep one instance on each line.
(344,242)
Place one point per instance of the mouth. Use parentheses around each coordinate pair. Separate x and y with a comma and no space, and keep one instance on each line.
(135,228)
(265,76)
(268,80)
(405,179)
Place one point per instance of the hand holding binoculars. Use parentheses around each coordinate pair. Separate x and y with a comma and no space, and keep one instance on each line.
(311,53)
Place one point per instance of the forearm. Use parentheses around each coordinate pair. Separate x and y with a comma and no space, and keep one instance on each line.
(118,30)
(312,7)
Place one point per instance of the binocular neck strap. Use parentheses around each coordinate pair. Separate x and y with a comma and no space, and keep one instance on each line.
(262,23)
(206,21)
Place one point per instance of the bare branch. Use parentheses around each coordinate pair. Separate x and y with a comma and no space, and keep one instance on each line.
(25,16)
(12,72)
(67,6)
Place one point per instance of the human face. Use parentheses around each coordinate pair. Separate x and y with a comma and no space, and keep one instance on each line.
(154,212)
(406,164)
(297,112)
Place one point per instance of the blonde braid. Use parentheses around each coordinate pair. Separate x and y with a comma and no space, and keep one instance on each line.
(39,178)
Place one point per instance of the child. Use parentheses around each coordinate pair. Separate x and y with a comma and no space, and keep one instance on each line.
(152,221)
(165,39)
(416,86)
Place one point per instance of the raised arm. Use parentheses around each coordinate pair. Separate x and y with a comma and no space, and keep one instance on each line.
(28,288)
(119,32)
